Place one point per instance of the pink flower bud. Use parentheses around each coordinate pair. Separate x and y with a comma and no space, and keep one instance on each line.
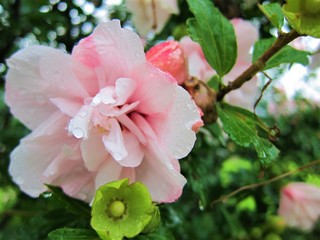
(300,205)
(169,57)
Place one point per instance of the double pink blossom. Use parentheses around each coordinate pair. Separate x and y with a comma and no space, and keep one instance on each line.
(300,205)
(100,114)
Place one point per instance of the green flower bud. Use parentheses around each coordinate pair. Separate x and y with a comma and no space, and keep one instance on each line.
(121,210)
(276,223)
(304,16)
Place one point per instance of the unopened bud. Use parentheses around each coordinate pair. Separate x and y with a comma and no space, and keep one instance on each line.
(169,57)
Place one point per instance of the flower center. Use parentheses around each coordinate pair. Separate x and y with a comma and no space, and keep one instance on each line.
(117,209)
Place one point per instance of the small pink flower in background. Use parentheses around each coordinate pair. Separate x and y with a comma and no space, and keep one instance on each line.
(151,15)
(100,114)
(169,57)
(300,205)
(246,34)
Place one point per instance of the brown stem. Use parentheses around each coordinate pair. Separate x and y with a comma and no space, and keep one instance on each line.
(258,66)
(255,185)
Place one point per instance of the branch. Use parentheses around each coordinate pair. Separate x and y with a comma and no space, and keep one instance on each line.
(258,66)
(255,185)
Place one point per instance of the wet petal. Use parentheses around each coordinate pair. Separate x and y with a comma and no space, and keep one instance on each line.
(113,49)
(93,150)
(36,151)
(174,128)
(113,141)
(156,89)
(133,147)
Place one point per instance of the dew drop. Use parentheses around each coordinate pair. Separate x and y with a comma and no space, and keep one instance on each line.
(83,113)
(117,156)
(96,100)
(190,106)
(78,132)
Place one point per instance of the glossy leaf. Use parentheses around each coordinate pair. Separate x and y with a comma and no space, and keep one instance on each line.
(214,33)
(241,126)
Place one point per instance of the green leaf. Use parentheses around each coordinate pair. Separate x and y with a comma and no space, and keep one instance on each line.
(72,234)
(74,206)
(274,13)
(241,125)
(287,54)
(214,33)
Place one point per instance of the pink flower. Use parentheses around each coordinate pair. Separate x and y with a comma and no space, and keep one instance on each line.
(100,114)
(246,35)
(300,205)
(169,57)
(151,14)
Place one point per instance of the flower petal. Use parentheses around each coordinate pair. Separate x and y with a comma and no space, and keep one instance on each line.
(165,184)
(36,151)
(174,128)
(36,74)
(79,125)
(93,150)
(108,172)
(112,49)
(113,141)
(156,89)
(133,147)
(125,87)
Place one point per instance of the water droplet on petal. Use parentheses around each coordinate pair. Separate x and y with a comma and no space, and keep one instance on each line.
(78,132)
(83,113)
(117,156)
(96,100)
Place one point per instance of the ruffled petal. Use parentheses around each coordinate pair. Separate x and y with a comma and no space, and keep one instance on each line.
(67,106)
(108,172)
(174,128)
(156,89)
(93,150)
(112,49)
(124,89)
(35,75)
(165,184)
(134,149)
(36,151)
(113,141)
(79,125)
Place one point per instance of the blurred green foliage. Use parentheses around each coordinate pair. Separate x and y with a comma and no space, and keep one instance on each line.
(215,167)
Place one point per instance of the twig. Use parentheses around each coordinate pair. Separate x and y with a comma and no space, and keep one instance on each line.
(255,185)
(258,66)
